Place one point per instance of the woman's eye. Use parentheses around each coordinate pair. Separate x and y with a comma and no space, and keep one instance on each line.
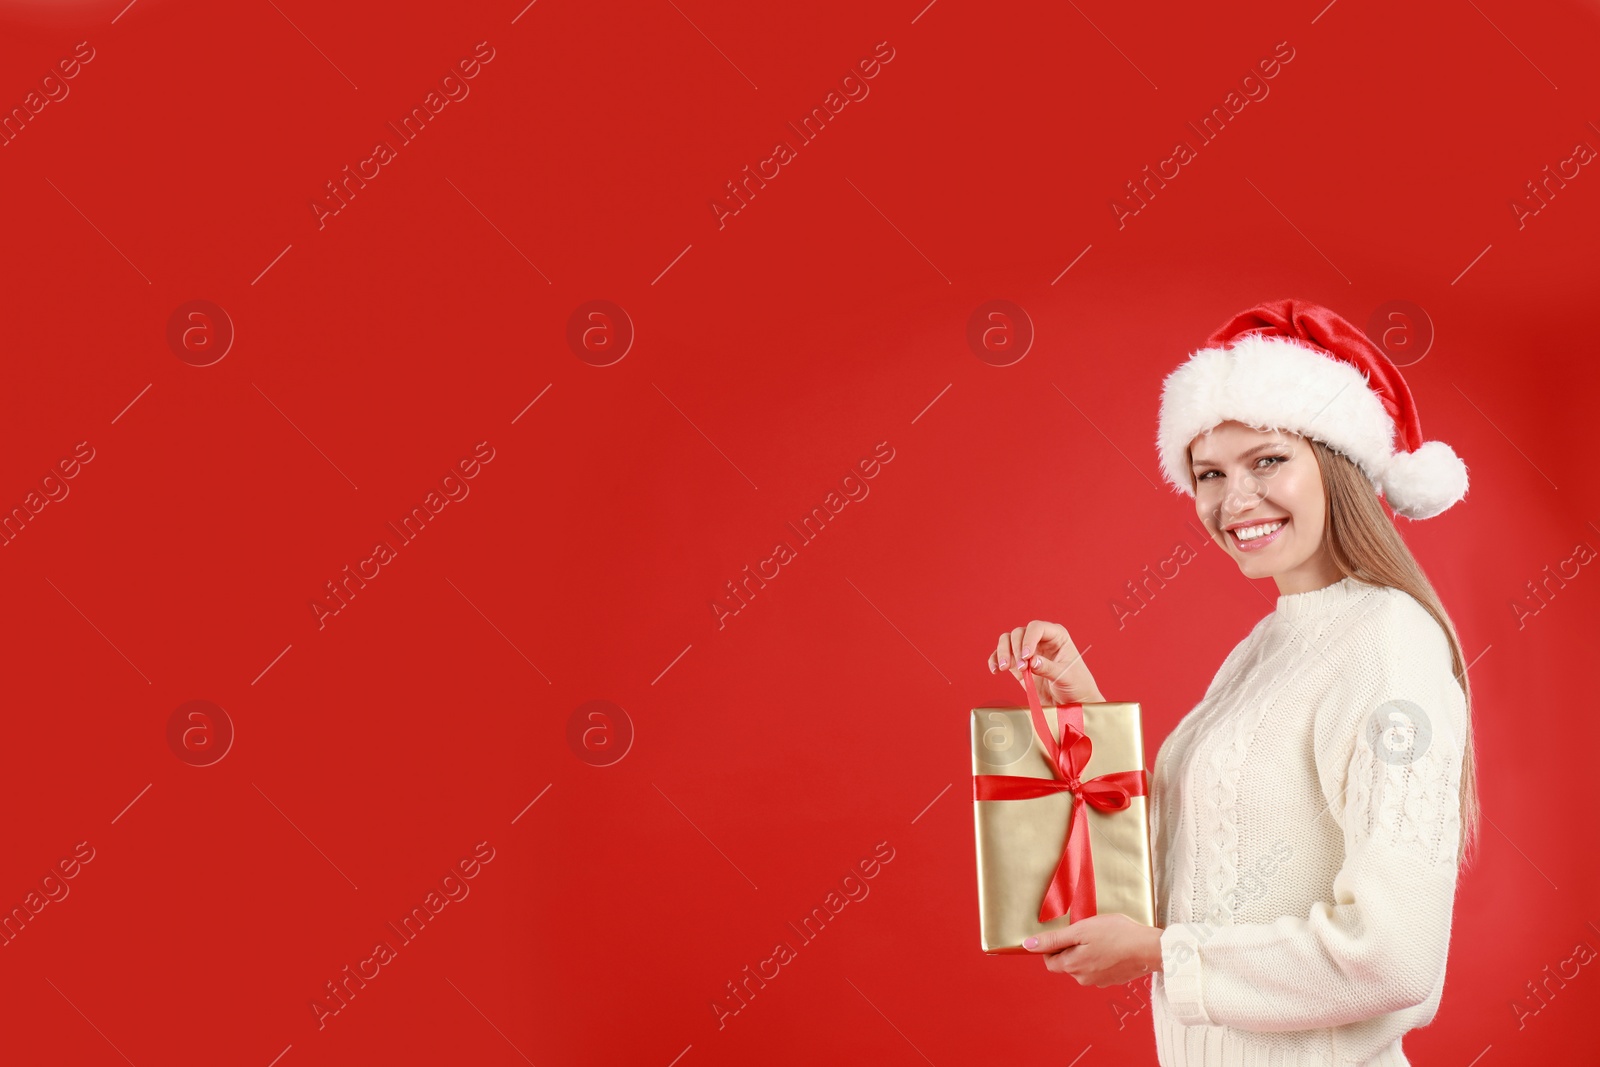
(1275,460)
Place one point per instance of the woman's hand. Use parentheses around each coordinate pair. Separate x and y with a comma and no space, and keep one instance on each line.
(1059,671)
(1100,950)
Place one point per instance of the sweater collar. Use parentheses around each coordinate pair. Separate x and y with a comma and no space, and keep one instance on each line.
(1319,601)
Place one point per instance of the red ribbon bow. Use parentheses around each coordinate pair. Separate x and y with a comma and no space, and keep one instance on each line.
(1073,883)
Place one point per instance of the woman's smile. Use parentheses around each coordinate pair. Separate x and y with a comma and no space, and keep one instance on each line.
(1254,536)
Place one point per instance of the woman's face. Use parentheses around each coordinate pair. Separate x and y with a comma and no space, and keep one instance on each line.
(1260,495)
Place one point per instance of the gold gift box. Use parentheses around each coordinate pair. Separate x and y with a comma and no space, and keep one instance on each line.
(1020,842)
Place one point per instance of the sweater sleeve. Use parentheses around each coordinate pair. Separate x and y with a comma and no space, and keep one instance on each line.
(1389,740)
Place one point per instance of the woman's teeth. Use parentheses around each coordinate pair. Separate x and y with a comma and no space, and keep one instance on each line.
(1250,533)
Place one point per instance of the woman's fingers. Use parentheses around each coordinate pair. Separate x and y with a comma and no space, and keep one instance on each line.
(1033,645)
(1022,653)
(1003,657)
(1049,670)
(1055,940)
(1063,949)
(1040,636)
(1066,652)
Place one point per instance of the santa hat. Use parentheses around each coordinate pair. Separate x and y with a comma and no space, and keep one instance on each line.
(1293,365)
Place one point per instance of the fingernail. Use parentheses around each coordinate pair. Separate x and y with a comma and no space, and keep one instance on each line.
(1031,942)
(1038,661)
(1027,652)
(1002,663)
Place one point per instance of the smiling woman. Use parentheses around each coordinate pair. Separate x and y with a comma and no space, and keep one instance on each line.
(1341,724)
(1339,729)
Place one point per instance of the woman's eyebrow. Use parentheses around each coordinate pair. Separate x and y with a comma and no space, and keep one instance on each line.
(1245,455)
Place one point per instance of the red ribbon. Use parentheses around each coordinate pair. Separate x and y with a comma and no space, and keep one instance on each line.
(1073,883)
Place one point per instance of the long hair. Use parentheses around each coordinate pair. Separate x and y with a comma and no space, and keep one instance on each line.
(1364,543)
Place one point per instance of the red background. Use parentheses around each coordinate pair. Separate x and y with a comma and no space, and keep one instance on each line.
(771,355)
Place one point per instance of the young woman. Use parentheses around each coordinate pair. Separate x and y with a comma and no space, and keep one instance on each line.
(1310,814)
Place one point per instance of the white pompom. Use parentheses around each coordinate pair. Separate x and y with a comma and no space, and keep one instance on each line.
(1421,484)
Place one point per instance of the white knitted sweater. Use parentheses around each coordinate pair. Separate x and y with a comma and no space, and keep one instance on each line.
(1305,829)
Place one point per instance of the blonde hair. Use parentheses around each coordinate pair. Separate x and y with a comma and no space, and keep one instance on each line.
(1363,542)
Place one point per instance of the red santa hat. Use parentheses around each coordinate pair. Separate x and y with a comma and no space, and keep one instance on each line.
(1293,365)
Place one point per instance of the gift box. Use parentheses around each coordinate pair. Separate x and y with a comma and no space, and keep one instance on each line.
(1059,799)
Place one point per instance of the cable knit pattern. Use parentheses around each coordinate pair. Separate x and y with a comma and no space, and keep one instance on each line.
(1305,819)
(1405,792)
